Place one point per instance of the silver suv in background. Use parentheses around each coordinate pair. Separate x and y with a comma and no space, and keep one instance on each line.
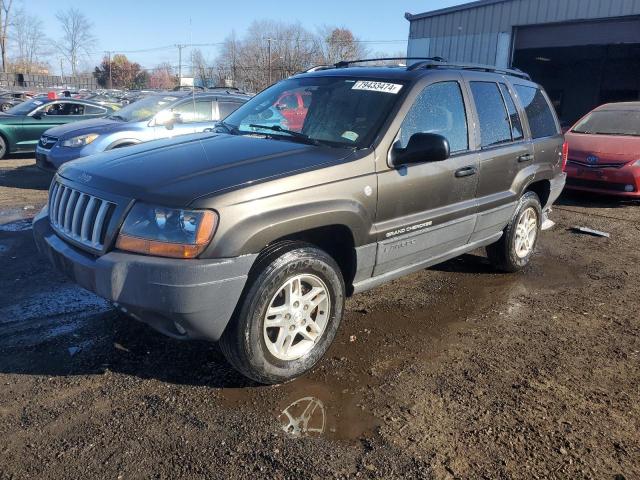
(161,115)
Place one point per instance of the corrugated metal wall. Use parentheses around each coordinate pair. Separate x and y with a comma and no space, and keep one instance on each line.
(472,35)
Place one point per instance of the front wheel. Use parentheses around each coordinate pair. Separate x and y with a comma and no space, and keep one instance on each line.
(516,246)
(289,315)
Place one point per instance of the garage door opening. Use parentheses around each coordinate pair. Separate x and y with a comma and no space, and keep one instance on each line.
(582,65)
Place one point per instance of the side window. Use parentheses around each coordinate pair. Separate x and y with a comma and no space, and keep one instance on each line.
(492,114)
(514,116)
(227,108)
(190,114)
(91,110)
(438,109)
(539,114)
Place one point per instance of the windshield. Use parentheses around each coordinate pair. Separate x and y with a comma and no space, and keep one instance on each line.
(336,111)
(25,107)
(145,108)
(610,122)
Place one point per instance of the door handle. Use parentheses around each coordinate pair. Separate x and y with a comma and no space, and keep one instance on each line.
(527,157)
(466,172)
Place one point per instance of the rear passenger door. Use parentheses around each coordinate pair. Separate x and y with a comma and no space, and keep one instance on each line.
(545,130)
(427,210)
(504,152)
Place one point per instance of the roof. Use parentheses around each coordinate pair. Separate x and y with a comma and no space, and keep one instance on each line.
(620,106)
(391,73)
(456,8)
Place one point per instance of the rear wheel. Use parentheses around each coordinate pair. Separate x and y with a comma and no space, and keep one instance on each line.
(289,316)
(516,246)
(3,147)
(5,107)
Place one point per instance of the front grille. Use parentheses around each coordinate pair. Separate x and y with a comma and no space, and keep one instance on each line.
(47,142)
(79,216)
(578,182)
(596,165)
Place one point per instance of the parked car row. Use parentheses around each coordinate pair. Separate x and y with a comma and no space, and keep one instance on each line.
(160,115)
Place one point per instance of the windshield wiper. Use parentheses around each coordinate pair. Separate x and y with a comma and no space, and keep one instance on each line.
(294,134)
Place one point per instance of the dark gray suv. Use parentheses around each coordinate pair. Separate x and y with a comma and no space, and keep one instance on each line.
(255,234)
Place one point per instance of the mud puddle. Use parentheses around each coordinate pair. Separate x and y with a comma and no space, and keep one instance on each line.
(334,401)
(16,219)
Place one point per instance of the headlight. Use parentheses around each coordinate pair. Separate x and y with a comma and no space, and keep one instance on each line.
(167,232)
(80,141)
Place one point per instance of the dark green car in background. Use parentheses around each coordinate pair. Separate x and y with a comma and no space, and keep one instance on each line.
(22,125)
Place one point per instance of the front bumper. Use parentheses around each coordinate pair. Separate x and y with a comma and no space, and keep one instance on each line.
(185,299)
(51,159)
(609,181)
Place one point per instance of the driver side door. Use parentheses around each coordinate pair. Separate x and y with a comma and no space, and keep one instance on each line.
(428,210)
(45,117)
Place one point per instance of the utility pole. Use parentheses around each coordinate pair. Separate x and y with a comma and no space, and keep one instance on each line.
(61,71)
(110,84)
(269,40)
(180,46)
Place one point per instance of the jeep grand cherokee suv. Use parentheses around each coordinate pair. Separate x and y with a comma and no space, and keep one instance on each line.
(253,235)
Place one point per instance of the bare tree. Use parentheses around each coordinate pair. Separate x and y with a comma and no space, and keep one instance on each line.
(340,44)
(203,71)
(77,38)
(29,43)
(5,23)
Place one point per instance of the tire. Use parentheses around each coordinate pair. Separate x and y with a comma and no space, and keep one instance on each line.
(280,352)
(510,254)
(4,147)
(5,107)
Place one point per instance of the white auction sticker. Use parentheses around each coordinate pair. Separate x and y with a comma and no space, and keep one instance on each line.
(377,86)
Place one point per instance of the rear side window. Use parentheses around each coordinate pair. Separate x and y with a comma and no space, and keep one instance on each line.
(227,108)
(191,112)
(514,116)
(91,110)
(541,120)
(495,127)
(438,109)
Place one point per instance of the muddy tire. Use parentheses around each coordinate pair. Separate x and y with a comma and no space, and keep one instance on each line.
(289,315)
(516,246)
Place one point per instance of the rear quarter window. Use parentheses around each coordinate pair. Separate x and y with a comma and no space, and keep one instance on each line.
(541,119)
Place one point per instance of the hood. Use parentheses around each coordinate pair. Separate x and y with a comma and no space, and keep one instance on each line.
(97,125)
(175,172)
(612,149)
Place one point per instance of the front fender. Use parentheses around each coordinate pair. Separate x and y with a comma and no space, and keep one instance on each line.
(253,232)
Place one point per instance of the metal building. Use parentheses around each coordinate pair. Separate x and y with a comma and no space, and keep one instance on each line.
(584,52)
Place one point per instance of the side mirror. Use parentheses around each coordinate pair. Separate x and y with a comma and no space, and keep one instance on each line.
(37,115)
(167,119)
(421,148)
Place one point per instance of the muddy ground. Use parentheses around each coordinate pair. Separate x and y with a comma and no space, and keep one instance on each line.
(453,372)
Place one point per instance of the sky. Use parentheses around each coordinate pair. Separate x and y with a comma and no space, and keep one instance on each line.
(126,25)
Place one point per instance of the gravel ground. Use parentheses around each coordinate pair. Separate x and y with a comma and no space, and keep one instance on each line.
(453,372)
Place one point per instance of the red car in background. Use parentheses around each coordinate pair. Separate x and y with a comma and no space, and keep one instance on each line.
(604,151)
(293,106)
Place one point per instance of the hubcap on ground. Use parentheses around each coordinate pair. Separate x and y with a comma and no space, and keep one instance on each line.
(526,232)
(297,317)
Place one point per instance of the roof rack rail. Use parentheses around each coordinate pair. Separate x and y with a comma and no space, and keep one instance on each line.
(317,68)
(346,63)
(514,72)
